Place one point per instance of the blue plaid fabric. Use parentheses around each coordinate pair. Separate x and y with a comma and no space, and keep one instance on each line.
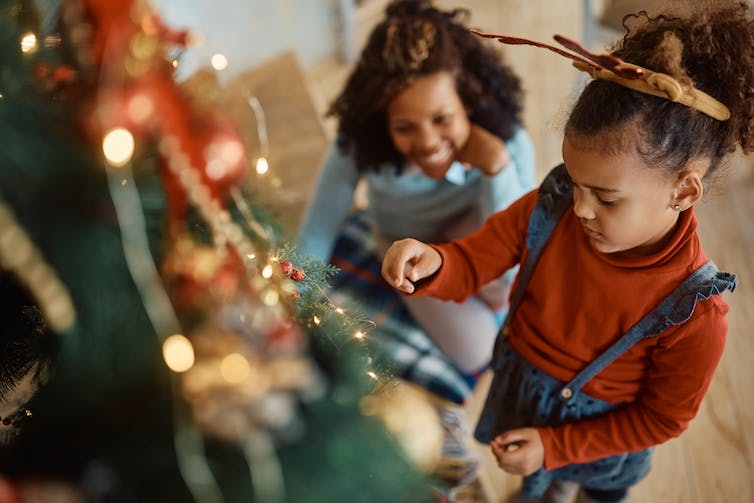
(397,337)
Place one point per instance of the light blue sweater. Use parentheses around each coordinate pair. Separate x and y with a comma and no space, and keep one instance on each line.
(409,204)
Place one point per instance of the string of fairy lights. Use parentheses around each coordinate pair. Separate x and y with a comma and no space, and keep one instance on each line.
(118,147)
(248,238)
(261,264)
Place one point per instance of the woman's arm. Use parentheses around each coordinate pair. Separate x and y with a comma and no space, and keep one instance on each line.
(330,203)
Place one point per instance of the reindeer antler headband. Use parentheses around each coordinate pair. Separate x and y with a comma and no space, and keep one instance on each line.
(614,69)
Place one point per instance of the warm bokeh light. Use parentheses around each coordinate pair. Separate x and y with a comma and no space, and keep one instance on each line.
(359,334)
(262,166)
(223,156)
(178,353)
(235,368)
(29,42)
(140,108)
(316,320)
(270,297)
(118,146)
(267,271)
(52,40)
(373,375)
(219,61)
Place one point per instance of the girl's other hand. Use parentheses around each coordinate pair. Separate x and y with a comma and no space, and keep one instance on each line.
(485,151)
(408,261)
(519,452)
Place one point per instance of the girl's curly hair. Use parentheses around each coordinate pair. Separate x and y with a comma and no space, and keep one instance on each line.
(711,49)
(25,342)
(414,40)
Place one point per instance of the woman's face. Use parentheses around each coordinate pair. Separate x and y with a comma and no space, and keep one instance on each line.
(428,123)
(625,206)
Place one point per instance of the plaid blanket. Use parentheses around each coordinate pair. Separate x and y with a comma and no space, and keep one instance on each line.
(397,337)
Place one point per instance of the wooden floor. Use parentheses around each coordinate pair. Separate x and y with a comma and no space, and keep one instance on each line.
(713,462)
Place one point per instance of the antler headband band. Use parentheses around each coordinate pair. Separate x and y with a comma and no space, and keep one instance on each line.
(614,69)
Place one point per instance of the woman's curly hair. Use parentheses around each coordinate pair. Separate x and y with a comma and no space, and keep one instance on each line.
(415,40)
(711,49)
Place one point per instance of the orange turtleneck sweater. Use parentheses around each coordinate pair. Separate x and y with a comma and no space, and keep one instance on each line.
(578,302)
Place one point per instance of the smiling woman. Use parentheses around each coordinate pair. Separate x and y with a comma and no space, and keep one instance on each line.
(430,122)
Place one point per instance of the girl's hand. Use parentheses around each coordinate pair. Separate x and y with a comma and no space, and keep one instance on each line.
(519,452)
(408,261)
(485,151)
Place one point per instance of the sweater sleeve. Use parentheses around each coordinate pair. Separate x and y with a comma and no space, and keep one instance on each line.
(329,206)
(516,179)
(679,374)
(473,261)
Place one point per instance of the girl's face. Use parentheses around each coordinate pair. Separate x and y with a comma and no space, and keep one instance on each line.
(625,206)
(428,123)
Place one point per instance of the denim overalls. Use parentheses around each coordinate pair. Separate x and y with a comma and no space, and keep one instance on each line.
(521,395)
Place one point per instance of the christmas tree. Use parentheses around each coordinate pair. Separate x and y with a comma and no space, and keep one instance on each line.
(199,359)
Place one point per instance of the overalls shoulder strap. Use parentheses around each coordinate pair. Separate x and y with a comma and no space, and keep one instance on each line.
(555,197)
(675,309)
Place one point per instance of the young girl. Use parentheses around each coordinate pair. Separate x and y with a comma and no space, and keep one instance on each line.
(616,324)
(430,120)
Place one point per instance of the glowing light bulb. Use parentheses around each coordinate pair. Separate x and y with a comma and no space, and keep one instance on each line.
(118,146)
(262,166)
(270,297)
(339,310)
(219,61)
(235,368)
(359,334)
(267,271)
(316,320)
(28,42)
(178,353)
(373,375)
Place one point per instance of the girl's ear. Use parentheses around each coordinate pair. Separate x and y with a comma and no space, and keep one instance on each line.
(688,187)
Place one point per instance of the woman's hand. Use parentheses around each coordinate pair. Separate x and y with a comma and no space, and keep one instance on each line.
(519,452)
(485,151)
(408,261)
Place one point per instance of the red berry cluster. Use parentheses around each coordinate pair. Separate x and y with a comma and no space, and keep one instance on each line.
(293,273)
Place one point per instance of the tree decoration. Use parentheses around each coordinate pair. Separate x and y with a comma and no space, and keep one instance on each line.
(256,362)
